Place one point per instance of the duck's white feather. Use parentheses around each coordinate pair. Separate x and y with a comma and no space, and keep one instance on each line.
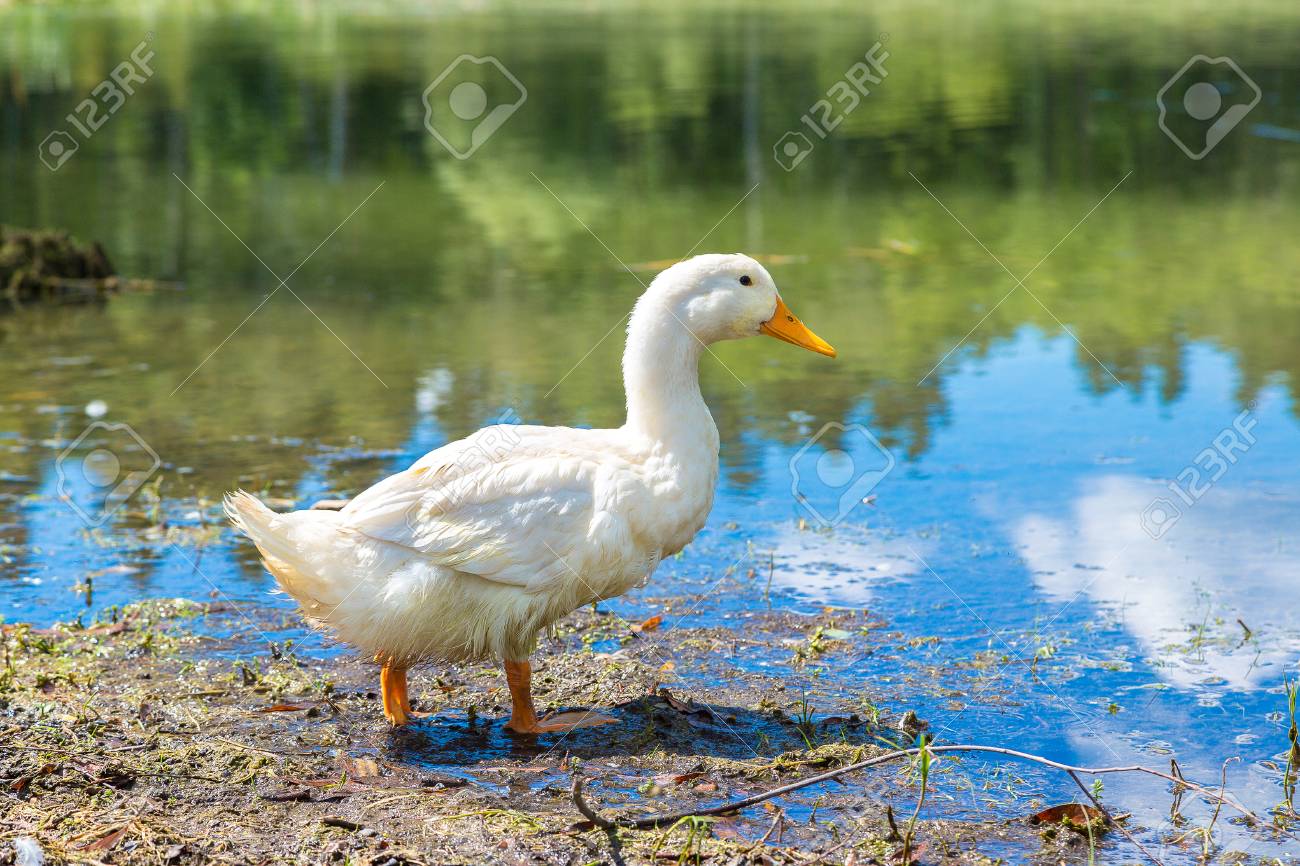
(470,553)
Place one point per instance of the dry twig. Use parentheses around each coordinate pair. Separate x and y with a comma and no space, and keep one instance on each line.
(1221,798)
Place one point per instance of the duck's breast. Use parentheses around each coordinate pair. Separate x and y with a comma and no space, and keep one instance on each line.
(671,498)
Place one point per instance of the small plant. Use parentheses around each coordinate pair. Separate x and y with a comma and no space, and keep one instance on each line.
(151,493)
(86,588)
(804,723)
(8,673)
(1293,754)
(924,762)
(815,646)
(697,831)
(870,711)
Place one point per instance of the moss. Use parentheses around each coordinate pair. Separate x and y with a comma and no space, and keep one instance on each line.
(41,265)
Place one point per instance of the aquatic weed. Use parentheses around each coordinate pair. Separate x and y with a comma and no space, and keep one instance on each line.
(804,723)
(1293,754)
(869,710)
(698,829)
(924,762)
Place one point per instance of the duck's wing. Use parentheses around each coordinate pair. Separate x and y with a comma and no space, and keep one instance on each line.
(511,504)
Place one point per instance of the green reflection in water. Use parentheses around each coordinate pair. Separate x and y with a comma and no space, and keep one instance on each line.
(648,127)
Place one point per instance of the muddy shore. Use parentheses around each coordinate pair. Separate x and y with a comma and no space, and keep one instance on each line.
(142,738)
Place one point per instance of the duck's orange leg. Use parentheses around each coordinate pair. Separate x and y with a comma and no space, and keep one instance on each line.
(404,696)
(392,687)
(523,715)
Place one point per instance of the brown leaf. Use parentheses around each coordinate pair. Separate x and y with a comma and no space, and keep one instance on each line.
(680,705)
(650,624)
(282,708)
(675,779)
(23,782)
(103,843)
(1076,816)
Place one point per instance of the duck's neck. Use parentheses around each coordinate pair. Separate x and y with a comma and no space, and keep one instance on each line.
(661,376)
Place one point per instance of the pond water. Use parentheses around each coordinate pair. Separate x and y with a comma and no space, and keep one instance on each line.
(1046,314)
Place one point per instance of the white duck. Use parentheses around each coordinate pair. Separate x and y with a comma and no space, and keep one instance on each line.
(482,543)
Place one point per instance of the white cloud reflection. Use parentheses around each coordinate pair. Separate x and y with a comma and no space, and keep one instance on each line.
(1228,557)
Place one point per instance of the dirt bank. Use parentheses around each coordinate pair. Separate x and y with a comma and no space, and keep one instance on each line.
(144,739)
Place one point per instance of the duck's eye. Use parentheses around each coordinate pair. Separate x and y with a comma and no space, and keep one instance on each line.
(746,281)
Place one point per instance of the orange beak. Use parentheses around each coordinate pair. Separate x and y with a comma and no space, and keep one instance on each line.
(785,325)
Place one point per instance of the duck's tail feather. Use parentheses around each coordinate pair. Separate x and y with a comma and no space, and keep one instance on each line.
(289,543)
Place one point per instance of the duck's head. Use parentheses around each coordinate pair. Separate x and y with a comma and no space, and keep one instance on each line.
(726,297)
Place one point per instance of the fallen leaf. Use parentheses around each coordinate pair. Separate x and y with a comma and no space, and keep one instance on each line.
(650,624)
(103,843)
(675,779)
(681,706)
(282,708)
(1076,816)
(23,782)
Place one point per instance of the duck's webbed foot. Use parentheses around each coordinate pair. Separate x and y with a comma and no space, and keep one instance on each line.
(566,721)
(523,716)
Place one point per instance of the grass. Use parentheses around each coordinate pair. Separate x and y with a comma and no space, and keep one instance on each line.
(924,765)
(698,831)
(1293,752)
(804,722)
